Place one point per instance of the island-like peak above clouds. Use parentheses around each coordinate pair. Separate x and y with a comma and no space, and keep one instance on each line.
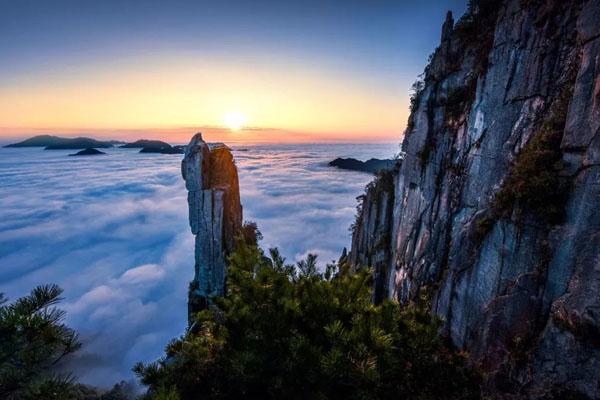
(140,144)
(88,152)
(373,165)
(50,142)
(154,146)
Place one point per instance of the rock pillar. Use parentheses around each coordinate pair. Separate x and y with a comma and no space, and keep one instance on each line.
(215,216)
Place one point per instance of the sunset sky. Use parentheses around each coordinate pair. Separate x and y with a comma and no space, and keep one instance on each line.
(286,71)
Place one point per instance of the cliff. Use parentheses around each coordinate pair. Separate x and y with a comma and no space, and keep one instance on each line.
(371,235)
(494,209)
(215,216)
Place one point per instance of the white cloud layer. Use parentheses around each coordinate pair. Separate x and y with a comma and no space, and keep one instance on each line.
(113,232)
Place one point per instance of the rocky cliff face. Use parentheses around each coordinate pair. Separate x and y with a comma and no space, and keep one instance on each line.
(495,208)
(215,215)
(371,235)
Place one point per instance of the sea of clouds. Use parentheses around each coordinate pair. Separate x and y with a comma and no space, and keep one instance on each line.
(113,232)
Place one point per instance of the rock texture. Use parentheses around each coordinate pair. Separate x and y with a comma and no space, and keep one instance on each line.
(495,208)
(215,216)
(372,234)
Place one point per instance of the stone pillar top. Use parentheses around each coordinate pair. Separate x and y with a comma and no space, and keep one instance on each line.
(447,27)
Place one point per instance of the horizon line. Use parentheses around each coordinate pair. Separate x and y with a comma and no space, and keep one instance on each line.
(213,132)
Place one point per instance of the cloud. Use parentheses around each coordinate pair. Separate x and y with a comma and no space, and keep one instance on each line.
(113,232)
(143,274)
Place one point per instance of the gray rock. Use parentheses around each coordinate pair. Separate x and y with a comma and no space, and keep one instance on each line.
(215,216)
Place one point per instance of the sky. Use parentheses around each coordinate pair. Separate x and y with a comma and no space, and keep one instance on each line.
(283,71)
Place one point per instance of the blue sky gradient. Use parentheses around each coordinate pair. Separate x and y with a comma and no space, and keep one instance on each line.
(376,48)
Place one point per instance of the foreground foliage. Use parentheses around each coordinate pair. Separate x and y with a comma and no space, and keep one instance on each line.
(33,339)
(287,331)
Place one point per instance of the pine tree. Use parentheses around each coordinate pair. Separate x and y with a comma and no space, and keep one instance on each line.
(289,332)
(33,340)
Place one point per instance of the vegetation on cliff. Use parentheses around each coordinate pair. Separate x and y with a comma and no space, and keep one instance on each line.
(288,331)
(534,183)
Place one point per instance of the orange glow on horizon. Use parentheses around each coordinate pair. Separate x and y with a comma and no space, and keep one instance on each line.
(160,99)
(181,135)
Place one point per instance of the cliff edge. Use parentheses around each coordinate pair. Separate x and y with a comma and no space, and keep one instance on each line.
(494,209)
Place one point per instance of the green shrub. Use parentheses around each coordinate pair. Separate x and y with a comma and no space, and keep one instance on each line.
(416,90)
(459,99)
(476,30)
(534,184)
(424,155)
(33,339)
(483,227)
(290,332)
(415,97)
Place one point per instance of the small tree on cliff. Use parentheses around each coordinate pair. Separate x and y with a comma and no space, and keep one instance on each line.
(290,332)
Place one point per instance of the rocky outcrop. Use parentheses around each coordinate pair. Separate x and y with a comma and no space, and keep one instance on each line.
(215,216)
(495,205)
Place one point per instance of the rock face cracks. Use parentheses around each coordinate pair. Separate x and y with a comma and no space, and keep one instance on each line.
(215,216)
(495,209)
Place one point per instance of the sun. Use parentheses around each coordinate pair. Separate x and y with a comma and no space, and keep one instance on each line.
(234,120)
